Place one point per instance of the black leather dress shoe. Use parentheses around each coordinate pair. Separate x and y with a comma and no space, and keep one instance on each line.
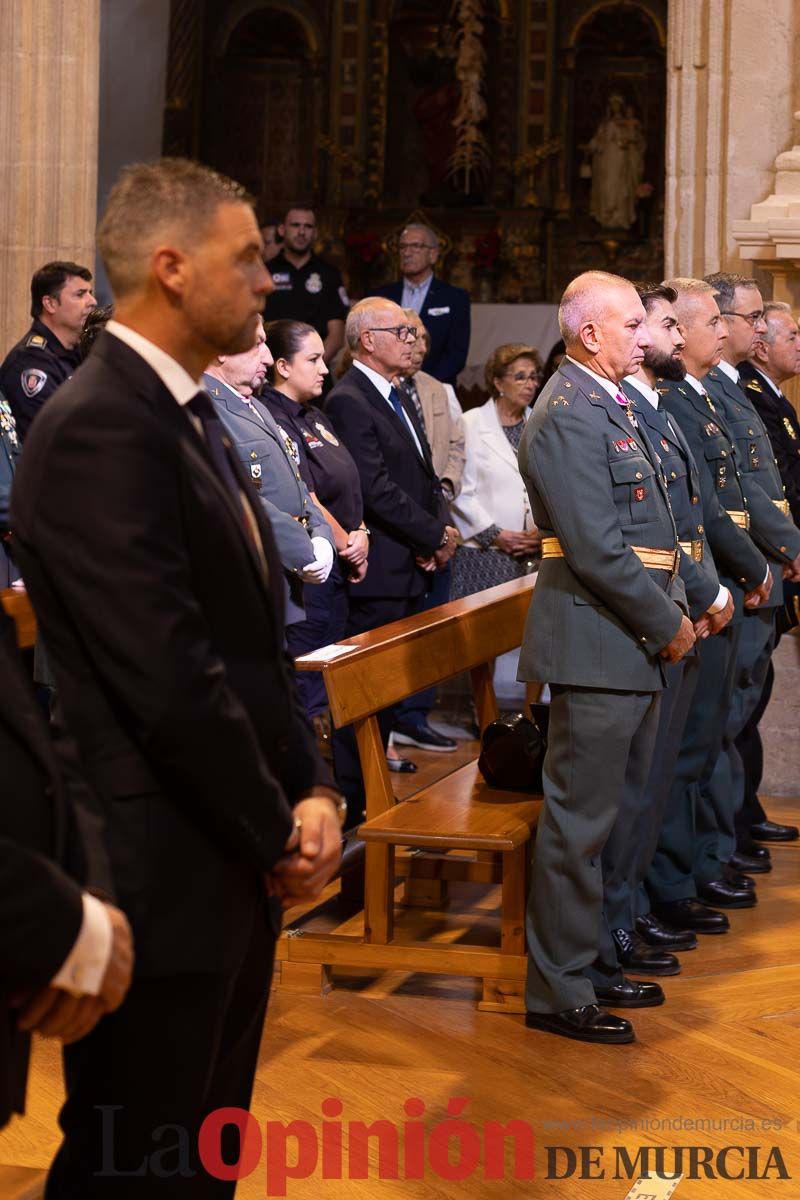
(652,931)
(635,954)
(722,894)
(587,1024)
(736,879)
(769,831)
(691,914)
(743,862)
(631,993)
(752,849)
(424,737)
(401,766)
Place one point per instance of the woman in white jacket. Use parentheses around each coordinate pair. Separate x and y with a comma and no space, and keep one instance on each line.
(492,513)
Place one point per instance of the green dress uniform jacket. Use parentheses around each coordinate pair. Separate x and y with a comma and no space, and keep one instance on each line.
(772,530)
(598,616)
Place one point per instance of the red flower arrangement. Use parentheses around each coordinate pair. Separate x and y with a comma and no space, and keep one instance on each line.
(487,249)
(365,244)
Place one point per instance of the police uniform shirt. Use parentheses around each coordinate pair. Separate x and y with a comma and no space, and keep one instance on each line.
(32,371)
(313,293)
(325,464)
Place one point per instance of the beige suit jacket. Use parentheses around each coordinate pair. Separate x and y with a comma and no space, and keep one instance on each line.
(445,429)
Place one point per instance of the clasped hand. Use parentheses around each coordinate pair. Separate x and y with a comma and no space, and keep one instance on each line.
(52,1012)
(311,855)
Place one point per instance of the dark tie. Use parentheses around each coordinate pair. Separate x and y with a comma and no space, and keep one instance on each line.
(397,405)
(216,438)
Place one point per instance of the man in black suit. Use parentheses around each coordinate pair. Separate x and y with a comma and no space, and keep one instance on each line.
(443,308)
(404,507)
(157,586)
(65,955)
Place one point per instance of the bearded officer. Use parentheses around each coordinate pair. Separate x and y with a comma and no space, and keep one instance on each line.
(608,610)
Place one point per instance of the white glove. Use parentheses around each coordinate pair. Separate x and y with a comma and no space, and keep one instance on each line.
(318,570)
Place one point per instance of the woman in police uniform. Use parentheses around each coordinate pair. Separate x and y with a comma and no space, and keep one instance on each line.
(296,380)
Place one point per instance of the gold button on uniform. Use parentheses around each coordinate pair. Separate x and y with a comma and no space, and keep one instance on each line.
(638,474)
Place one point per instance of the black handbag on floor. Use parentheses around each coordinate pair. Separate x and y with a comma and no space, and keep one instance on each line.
(513,750)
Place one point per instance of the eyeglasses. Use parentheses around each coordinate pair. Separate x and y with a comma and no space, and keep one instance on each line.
(751,318)
(521,377)
(403,333)
(401,246)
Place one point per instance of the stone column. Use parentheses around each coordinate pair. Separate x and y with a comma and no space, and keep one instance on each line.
(730,97)
(49,67)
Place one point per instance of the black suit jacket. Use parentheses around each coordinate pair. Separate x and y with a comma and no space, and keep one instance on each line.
(165,636)
(40,905)
(403,503)
(446,313)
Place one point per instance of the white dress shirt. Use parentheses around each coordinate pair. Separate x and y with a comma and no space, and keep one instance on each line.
(414,294)
(84,968)
(728,370)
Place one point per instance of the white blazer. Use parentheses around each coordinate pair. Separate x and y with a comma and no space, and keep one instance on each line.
(492,491)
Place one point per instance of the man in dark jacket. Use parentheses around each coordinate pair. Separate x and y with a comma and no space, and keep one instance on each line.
(65,955)
(157,586)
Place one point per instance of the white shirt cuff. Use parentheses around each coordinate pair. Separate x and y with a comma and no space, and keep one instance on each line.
(85,966)
(723,595)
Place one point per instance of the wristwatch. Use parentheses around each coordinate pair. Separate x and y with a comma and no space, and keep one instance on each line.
(445,538)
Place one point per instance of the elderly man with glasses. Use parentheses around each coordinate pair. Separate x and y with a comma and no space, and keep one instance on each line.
(443,309)
(404,508)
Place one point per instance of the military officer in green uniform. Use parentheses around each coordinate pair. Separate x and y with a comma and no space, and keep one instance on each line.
(608,610)
(742,307)
(687,873)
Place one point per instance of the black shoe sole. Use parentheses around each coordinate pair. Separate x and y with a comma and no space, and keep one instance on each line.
(750,902)
(606,1002)
(405,739)
(610,1039)
(645,970)
(771,840)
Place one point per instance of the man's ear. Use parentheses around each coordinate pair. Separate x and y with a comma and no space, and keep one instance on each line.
(49,304)
(170,267)
(434,256)
(281,231)
(589,334)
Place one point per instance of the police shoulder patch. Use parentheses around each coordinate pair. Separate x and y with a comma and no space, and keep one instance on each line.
(32,381)
(38,341)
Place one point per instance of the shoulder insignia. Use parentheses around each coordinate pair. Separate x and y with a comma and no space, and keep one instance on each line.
(559,402)
(683,391)
(594,395)
(663,391)
(32,381)
(754,385)
(712,374)
(787,425)
(38,341)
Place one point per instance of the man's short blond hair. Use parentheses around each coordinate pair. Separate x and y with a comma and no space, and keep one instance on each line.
(173,197)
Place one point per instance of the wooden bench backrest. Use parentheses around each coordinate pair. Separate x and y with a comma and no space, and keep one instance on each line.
(18,606)
(419,652)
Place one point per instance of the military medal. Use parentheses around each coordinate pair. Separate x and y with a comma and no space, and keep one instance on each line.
(326,433)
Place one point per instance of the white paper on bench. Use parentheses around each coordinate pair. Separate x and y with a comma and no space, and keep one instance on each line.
(326,653)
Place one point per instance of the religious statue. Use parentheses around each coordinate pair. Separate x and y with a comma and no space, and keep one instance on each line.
(617,150)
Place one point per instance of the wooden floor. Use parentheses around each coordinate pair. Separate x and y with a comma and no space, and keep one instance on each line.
(724,1050)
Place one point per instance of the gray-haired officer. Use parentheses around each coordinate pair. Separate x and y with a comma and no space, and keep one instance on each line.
(772,526)
(608,610)
(688,873)
(303,536)
(61,300)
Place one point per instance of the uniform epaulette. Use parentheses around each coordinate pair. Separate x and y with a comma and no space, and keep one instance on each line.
(38,341)
(755,385)
(558,402)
